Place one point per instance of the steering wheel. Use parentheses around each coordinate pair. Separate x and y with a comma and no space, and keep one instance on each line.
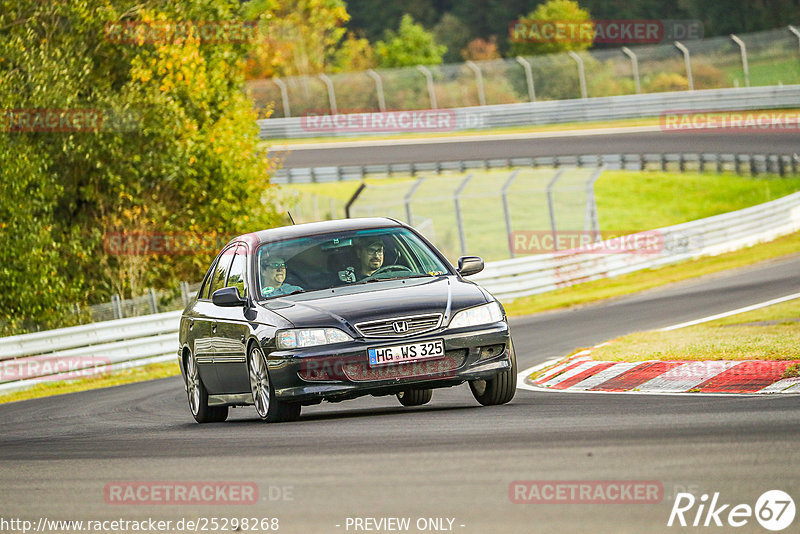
(391,268)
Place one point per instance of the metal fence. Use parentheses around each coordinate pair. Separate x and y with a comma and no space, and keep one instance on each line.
(755,59)
(751,164)
(467,213)
(558,111)
(93,349)
(519,277)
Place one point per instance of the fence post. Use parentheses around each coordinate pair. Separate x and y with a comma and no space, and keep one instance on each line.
(688,61)
(331,93)
(528,77)
(635,65)
(185,293)
(462,238)
(353,199)
(287,112)
(429,79)
(592,223)
(478,81)
(796,33)
(507,211)
(379,88)
(743,50)
(581,72)
(551,208)
(153,300)
(116,306)
(407,199)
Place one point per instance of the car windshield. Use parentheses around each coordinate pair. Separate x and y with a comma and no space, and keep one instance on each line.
(326,261)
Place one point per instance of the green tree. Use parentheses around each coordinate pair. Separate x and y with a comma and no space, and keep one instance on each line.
(555,11)
(173,150)
(410,45)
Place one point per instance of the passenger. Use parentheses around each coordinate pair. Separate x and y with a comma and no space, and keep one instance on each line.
(369,258)
(273,275)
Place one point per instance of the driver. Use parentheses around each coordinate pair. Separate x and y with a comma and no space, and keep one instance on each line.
(369,256)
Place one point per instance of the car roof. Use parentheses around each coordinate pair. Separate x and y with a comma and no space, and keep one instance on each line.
(281,233)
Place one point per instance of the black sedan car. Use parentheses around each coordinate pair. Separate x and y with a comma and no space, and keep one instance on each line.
(335,310)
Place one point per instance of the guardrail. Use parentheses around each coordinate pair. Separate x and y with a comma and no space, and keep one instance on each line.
(519,277)
(752,164)
(563,111)
(88,350)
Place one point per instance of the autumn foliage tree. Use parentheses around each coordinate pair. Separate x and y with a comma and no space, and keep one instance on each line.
(175,150)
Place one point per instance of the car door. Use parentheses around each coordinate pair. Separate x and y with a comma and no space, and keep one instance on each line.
(233,330)
(199,329)
(209,313)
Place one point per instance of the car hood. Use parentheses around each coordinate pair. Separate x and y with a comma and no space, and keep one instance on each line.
(346,306)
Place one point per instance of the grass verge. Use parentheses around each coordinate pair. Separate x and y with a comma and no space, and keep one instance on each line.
(115,378)
(770,333)
(650,278)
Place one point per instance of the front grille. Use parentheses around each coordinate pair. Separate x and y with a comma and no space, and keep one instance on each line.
(415,324)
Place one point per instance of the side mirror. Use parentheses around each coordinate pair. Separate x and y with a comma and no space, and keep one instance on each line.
(468,265)
(228,297)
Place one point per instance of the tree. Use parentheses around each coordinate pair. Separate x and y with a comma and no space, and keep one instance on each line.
(532,40)
(454,34)
(172,149)
(300,37)
(410,45)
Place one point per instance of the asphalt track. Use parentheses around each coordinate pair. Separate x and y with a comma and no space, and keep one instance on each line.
(620,141)
(449,459)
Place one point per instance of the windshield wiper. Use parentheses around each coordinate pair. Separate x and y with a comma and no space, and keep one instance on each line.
(368,280)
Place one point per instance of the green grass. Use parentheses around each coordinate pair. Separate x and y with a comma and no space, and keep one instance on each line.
(771,72)
(116,378)
(635,282)
(767,334)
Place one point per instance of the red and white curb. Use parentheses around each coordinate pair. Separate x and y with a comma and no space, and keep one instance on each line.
(585,375)
(582,374)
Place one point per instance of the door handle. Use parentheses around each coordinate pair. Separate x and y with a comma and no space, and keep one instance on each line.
(214,328)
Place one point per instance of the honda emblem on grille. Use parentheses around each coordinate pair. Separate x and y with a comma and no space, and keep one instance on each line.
(400,326)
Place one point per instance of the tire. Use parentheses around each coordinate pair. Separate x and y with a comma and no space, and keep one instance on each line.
(268,408)
(415,397)
(198,397)
(498,390)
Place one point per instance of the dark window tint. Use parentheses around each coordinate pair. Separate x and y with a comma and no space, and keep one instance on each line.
(237,276)
(221,271)
(203,293)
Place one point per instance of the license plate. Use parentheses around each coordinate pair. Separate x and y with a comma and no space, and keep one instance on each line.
(406,353)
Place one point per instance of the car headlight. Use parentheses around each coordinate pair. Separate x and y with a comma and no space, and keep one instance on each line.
(484,314)
(309,337)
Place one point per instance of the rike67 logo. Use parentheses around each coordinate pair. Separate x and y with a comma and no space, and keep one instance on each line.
(774,510)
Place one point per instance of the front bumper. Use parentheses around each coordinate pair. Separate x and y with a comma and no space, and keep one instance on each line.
(342,371)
